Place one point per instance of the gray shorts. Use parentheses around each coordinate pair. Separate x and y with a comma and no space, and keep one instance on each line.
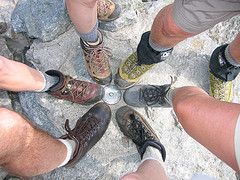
(237,141)
(196,16)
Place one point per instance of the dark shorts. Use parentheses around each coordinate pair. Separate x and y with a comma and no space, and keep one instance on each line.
(196,16)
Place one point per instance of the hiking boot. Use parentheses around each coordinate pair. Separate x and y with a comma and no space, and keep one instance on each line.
(131,70)
(147,95)
(107,10)
(96,61)
(222,74)
(88,131)
(135,127)
(219,89)
(75,90)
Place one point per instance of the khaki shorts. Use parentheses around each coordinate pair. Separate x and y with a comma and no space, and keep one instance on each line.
(196,16)
(237,141)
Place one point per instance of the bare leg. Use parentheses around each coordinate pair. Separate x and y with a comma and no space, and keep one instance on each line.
(15,76)
(25,150)
(209,121)
(165,32)
(83,14)
(149,169)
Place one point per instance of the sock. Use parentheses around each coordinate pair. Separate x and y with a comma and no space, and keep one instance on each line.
(71,145)
(49,81)
(229,57)
(156,47)
(153,154)
(92,36)
(169,95)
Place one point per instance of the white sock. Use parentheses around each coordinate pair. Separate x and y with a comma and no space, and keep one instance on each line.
(169,95)
(153,154)
(71,145)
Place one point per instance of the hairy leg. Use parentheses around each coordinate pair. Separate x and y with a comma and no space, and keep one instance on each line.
(25,150)
(209,121)
(83,14)
(149,169)
(165,32)
(15,76)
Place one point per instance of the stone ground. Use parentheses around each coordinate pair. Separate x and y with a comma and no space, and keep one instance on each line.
(115,155)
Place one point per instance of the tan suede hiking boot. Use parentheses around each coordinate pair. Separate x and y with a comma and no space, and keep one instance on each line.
(96,60)
(107,10)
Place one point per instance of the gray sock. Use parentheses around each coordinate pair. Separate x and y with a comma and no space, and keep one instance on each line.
(229,57)
(156,47)
(49,81)
(92,36)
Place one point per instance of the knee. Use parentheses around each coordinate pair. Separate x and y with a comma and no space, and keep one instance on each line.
(169,26)
(186,99)
(10,122)
(131,176)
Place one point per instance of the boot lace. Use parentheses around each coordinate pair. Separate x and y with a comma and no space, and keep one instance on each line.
(103,7)
(153,94)
(82,132)
(140,133)
(97,60)
(222,89)
(74,87)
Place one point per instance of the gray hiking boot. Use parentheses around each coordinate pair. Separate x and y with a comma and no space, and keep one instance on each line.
(147,95)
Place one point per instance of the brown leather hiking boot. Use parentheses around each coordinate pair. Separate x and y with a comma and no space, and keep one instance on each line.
(96,61)
(88,130)
(107,10)
(75,90)
(134,126)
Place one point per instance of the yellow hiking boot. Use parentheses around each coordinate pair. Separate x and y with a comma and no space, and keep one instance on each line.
(222,74)
(219,89)
(139,62)
(130,72)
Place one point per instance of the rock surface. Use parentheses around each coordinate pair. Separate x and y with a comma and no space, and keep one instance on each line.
(56,46)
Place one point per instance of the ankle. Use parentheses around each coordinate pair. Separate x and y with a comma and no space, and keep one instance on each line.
(152,153)
(156,47)
(49,81)
(230,58)
(170,94)
(92,36)
(71,146)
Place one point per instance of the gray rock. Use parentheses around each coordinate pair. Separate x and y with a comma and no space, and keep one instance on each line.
(6,9)
(115,155)
(35,113)
(42,19)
